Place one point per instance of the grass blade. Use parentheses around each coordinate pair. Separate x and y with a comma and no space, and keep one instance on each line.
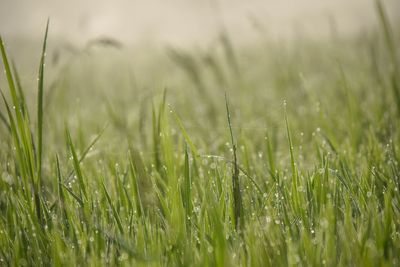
(76,164)
(114,211)
(40,108)
(237,197)
(185,134)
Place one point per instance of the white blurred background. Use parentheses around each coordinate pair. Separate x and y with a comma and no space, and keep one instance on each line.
(181,22)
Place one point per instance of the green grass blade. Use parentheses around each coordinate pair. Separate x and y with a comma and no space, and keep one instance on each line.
(237,195)
(86,151)
(187,186)
(59,180)
(391,47)
(75,196)
(76,164)
(40,108)
(114,211)
(10,79)
(20,92)
(4,120)
(185,134)
(136,186)
(387,31)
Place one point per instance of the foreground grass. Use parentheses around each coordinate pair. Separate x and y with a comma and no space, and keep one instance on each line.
(297,165)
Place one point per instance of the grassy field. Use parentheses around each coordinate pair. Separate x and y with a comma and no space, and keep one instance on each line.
(266,154)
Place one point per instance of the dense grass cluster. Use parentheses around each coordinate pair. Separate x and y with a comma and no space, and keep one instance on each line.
(262,155)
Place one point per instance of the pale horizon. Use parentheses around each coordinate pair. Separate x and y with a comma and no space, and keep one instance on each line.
(187,22)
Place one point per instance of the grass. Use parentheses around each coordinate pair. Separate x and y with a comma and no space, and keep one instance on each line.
(299,167)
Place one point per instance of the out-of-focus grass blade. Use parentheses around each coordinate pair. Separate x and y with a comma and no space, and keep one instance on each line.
(187,187)
(10,80)
(40,107)
(391,46)
(114,211)
(61,196)
(156,139)
(136,187)
(230,52)
(4,120)
(185,134)
(237,196)
(20,92)
(123,243)
(295,182)
(76,164)
(77,198)
(386,27)
(86,151)
(18,149)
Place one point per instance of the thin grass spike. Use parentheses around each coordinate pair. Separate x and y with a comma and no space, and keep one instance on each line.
(237,197)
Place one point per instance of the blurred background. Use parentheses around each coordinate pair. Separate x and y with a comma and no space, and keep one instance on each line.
(110,61)
(181,22)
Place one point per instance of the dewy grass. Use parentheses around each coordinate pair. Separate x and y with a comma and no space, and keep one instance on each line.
(237,195)
(40,109)
(19,122)
(315,183)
